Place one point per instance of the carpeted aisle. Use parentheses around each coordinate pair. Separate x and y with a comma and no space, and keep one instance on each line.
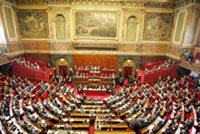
(125,81)
(91,129)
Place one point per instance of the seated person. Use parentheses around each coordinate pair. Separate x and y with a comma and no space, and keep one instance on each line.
(197,61)
(80,89)
(146,70)
(94,76)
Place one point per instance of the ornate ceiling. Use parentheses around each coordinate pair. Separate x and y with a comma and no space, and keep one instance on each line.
(140,3)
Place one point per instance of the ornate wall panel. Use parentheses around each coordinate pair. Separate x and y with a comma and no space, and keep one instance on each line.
(33,23)
(60,46)
(60,27)
(179,26)
(174,50)
(13,47)
(131,31)
(40,57)
(157,26)
(153,49)
(193,16)
(32,45)
(130,48)
(96,24)
(10,22)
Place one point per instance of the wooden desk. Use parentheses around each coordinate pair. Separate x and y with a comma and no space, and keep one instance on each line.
(114,121)
(114,132)
(94,103)
(84,115)
(93,106)
(60,131)
(97,111)
(81,80)
(74,120)
(114,126)
(52,116)
(139,112)
(107,80)
(94,82)
(75,126)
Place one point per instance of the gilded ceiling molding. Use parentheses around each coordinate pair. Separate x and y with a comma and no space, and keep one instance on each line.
(126,3)
(182,3)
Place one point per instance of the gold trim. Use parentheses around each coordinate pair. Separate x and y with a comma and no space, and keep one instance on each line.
(13,54)
(95,52)
(38,51)
(38,39)
(32,7)
(162,42)
(173,56)
(159,10)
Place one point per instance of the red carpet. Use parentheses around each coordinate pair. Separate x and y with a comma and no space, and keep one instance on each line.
(91,129)
(125,81)
(92,96)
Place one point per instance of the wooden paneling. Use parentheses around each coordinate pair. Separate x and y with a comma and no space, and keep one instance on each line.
(130,48)
(60,46)
(151,59)
(36,45)
(40,57)
(109,61)
(14,47)
(153,48)
(174,51)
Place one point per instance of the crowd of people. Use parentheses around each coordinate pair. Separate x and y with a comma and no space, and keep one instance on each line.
(189,56)
(109,88)
(165,64)
(26,63)
(91,68)
(171,105)
(62,79)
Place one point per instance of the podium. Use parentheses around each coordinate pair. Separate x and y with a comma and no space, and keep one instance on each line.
(94,82)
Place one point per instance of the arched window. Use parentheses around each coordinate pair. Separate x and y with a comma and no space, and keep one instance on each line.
(2,34)
(60,27)
(131,31)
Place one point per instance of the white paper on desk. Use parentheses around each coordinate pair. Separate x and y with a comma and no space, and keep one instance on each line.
(71,120)
(119,120)
(159,118)
(193,130)
(43,121)
(150,127)
(65,119)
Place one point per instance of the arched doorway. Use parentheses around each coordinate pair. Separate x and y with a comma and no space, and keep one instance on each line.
(61,66)
(128,68)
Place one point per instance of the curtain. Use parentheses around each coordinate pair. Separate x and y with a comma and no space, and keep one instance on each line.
(62,69)
(198,55)
(127,71)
